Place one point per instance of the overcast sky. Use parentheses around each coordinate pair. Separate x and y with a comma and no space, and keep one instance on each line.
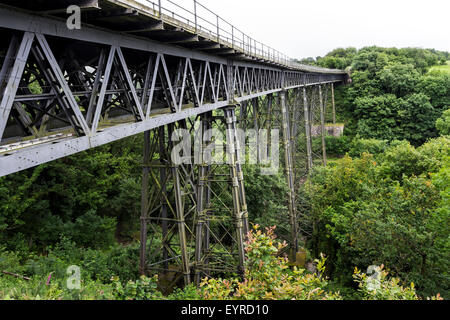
(312,28)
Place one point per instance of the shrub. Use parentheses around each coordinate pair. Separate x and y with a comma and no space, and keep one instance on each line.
(381,287)
(374,210)
(443,123)
(372,146)
(142,289)
(267,276)
(337,146)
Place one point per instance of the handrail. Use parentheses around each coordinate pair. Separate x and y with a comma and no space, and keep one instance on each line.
(223,32)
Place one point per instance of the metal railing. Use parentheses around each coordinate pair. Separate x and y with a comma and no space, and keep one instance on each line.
(206,23)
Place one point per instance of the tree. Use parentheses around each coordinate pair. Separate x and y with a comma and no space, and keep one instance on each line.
(443,123)
(392,210)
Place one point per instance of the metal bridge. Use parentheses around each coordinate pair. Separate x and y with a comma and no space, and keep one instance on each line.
(151,67)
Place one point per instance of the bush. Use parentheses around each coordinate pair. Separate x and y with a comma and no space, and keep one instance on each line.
(92,231)
(443,123)
(337,146)
(142,289)
(382,288)
(120,261)
(372,146)
(368,210)
(268,277)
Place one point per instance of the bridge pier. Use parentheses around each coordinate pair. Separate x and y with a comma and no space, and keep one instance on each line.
(180,211)
(322,126)
(306,110)
(237,180)
(165,201)
(203,201)
(333,103)
(289,171)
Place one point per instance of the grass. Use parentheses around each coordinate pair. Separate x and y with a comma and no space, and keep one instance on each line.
(441,68)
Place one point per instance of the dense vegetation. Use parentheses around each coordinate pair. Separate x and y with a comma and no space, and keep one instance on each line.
(384,200)
(387,200)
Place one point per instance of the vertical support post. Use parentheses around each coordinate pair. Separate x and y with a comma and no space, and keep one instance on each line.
(179,205)
(232,37)
(294,124)
(159,10)
(289,172)
(333,103)
(307,131)
(218,29)
(322,125)
(255,104)
(164,204)
(207,201)
(230,119)
(243,115)
(240,172)
(144,204)
(195,15)
(202,201)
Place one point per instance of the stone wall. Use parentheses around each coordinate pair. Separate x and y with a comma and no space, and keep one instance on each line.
(331,130)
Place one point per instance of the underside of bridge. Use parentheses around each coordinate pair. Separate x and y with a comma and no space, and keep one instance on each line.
(133,69)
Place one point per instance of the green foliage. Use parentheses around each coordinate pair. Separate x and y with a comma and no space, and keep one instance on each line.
(120,261)
(388,210)
(372,146)
(91,230)
(338,59)
(383,288)
(336,146)
(398,79)
(38,289)
(268,277)
(387,117)
(142,289)
(392,96)
(443,123)
(436,86)
(81,197)
(262,195)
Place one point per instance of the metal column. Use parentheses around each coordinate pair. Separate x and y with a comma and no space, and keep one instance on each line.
(322,125)
(203,198)
(333,103)
(306,109)
(144,204)
(230,119)
(289,172)
(179,204)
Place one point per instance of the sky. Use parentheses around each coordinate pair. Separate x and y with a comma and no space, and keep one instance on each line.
(312,28)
